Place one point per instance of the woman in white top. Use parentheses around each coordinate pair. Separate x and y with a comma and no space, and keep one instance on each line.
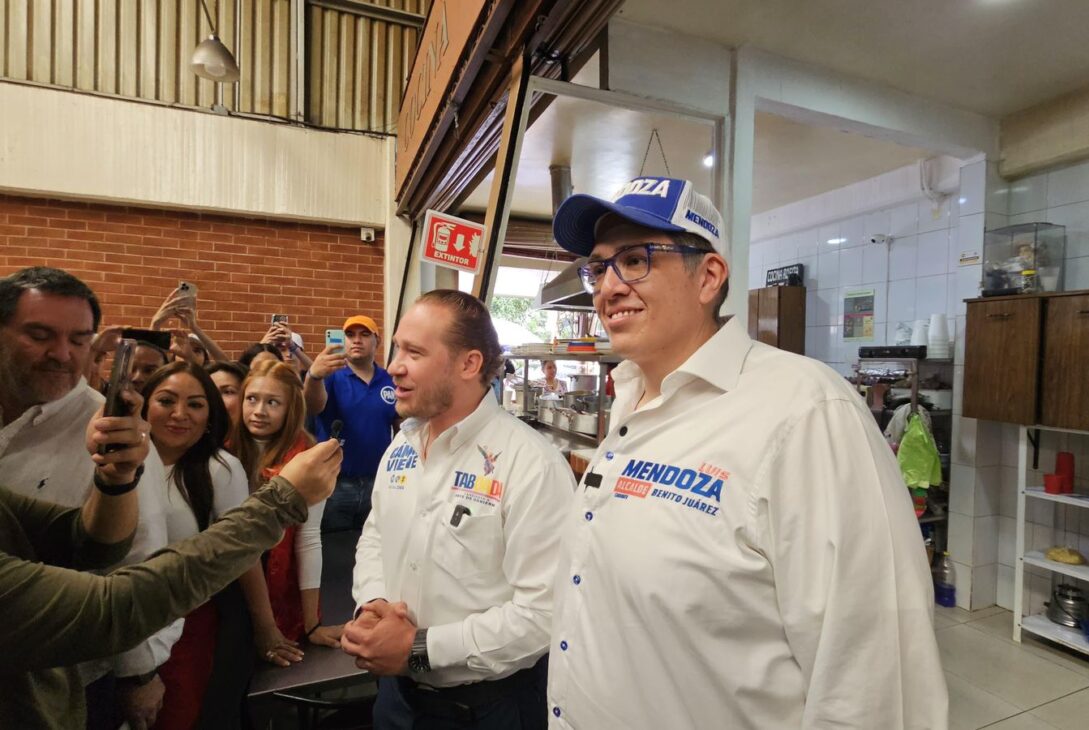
(551,384)
(189,424)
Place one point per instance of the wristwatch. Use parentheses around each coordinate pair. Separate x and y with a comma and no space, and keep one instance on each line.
(417,658)
(116,490)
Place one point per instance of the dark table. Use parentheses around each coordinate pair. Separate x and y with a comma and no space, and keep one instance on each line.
(323,667)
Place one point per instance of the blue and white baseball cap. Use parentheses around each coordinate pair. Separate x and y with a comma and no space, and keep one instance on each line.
(662,203)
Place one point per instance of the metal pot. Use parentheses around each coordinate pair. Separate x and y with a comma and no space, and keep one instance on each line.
(1068,606)
(582,382)
(573,398)
(575,421)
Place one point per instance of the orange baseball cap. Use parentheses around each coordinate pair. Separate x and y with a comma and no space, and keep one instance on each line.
(361,320)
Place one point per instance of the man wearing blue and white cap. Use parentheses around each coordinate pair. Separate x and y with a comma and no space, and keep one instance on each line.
(742,551)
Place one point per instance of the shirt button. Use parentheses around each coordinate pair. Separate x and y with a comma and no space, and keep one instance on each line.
(623,430)
(556,711)
(563,645)
(577,579)
(609,456)
(589,516)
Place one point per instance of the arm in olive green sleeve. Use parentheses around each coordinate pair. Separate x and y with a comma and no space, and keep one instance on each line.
(58,536)
(57,617)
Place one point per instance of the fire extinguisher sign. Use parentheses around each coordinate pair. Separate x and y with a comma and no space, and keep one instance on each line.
(452,242)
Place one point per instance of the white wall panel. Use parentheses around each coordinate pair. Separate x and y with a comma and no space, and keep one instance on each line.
(72,145)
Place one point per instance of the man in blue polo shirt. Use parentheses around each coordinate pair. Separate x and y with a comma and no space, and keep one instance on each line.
(347,386)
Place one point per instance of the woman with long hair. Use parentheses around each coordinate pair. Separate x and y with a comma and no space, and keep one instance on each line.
(228,377)
(272,433)
(188,426)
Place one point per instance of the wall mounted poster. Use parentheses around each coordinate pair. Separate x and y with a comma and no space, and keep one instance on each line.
(858,315)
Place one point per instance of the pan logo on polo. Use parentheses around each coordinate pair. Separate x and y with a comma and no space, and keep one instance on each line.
(402,458)
(388,395)
(641,478)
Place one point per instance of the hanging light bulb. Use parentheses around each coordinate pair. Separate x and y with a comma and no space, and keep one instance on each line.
(211,60)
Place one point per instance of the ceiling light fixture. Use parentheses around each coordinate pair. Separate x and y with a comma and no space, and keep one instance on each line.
(211,60)
(709,160)
(837,241)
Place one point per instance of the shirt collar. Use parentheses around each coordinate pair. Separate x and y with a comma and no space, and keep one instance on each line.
(718,361)
(461,432)
(36,414)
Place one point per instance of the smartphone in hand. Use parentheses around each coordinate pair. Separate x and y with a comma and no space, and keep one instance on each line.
(187,289)
(120,381)
(334,337)
(279,319)
(159,338)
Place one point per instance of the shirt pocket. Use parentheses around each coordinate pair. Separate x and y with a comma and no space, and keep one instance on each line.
(472,547)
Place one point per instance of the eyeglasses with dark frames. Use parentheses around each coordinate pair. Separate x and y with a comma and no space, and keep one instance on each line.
(630,264)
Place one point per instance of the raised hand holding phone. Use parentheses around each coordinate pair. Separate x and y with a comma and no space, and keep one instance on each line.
(118,445)
(328,361)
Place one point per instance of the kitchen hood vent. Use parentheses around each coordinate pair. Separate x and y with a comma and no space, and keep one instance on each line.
(565,292)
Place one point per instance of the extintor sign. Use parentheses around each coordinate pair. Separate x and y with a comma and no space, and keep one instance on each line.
(452,242)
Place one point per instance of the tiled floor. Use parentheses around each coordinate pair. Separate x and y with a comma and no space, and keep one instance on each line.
(997,684)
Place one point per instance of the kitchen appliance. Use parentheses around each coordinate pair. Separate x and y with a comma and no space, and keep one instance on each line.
(898,351)
(1068,606)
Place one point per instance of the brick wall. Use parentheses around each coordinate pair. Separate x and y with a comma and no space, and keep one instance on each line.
(245,269)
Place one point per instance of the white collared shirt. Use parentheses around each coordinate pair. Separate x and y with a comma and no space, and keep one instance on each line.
(43,455)
(468,538)
(750,559)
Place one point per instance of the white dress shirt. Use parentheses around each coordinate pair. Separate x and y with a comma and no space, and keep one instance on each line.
(43,454)
(750,559)
(468,539)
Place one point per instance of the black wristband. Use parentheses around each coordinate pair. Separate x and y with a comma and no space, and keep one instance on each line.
(314,628)
(116,490)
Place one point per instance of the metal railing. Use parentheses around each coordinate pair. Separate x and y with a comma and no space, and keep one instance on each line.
(330,63)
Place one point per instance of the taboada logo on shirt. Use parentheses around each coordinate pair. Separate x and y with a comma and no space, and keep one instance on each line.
(642,478)
(483,488)
(387,395)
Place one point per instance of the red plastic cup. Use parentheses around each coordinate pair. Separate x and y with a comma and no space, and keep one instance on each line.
(1054,483)
(1064,466)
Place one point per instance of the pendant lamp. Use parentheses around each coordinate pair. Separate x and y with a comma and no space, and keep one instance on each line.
(211,60)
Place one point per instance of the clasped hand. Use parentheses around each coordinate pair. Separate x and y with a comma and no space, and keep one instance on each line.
(380,638)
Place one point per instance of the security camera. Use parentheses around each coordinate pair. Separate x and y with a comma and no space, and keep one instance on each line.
(366,235)
(880,238)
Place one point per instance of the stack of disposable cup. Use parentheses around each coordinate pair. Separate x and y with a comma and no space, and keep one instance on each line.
(918,332)
(937,345)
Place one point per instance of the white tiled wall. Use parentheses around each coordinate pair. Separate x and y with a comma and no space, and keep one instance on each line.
(1061,197)
(914,277)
